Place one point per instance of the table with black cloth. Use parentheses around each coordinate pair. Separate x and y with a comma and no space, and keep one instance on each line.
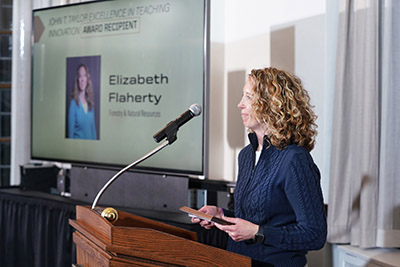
(34,228)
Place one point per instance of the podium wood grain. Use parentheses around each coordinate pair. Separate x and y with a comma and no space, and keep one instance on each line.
(137,241)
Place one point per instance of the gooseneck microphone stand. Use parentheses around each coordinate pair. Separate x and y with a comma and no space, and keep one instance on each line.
(133,164)
(170,133)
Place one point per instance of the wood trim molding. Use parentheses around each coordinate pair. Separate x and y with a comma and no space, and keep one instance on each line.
(5,85)
(5,32)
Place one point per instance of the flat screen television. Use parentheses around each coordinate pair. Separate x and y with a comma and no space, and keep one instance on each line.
(108,75)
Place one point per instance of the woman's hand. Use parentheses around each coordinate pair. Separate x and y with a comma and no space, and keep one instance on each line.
(211,210)
(241,229)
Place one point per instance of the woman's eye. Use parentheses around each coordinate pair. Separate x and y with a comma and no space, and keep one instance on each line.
(249,97)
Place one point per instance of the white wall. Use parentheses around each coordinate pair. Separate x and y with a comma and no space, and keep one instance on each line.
(240,41)
(250,18)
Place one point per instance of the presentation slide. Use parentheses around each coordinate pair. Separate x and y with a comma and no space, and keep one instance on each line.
(108,75)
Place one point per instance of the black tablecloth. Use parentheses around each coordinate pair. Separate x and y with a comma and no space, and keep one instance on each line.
(34,229)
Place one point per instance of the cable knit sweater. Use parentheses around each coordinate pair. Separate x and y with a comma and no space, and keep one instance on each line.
(282,193)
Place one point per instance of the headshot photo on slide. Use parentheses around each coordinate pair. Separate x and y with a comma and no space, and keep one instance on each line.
(83,97)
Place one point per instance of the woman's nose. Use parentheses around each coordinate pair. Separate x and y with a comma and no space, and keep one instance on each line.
(240,104)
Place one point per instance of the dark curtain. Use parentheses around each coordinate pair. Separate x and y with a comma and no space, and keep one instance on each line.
(34,229)
(35,232)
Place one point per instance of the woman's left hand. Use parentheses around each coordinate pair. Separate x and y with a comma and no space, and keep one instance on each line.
(241,229)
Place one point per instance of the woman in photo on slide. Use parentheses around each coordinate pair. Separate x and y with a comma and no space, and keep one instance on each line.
(278,211)
(81,123)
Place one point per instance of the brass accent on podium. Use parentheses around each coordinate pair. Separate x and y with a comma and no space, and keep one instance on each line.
(110,214)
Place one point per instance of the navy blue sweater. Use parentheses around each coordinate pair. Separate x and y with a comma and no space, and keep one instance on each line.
(282,193)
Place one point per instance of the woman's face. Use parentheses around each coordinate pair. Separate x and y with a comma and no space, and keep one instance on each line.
(82,78)
(246,108)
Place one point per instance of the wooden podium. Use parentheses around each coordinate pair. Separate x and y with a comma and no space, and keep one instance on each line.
(136,241)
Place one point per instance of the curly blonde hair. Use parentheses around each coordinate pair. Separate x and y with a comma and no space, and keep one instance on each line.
(284,106)
(89,88)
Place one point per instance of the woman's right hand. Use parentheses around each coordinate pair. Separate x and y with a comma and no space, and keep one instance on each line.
(211,210)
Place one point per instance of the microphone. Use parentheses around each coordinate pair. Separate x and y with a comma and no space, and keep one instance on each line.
(171,129)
